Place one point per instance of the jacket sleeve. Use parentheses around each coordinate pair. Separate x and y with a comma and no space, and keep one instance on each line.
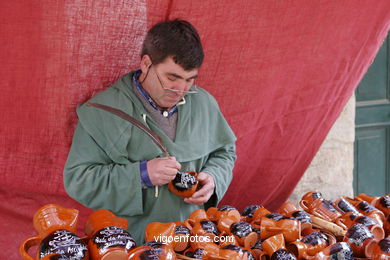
(220,166)
(93,179)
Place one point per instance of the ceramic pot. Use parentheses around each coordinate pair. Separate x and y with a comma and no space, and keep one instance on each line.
(273,243)
(289,228)
(184,184)
(248,212)
(205,232)
(309,198)
(289,209)
(196,216)
(181,237)
(358,236)
(368,210)
(378,250)
(160,232)
(365,197)
(344,206)
(349,219)
(209,250)
(229,211)
(235,252)
(257,216)
(244,234)
(308,246)
(154,251)
(56,227)
(383,204)
(109,238)
(225,223)
(386,226)
(258,252)
(282,254)
(323,209)
(341,250)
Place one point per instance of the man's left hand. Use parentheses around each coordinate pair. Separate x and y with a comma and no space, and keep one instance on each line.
(203,194)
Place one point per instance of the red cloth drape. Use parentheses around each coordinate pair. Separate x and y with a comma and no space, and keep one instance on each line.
(281,71)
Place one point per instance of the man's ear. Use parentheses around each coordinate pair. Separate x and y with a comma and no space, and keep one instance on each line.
(146,62)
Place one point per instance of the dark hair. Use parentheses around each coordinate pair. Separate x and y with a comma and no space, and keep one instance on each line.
(176,38)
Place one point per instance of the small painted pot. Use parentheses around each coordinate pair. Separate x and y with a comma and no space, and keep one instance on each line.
(289,209)
(161,232)
(368,210)
(229,211)
(308,246)
(152,251)
(244,234)
(184,184)
(181,235)
(378,250)
(349,219)
(309,198)
(289,228)
(282,254)
(383,204)
(365,197)
(225,223)
(205,231)
(273,243)
(109,238)
(344,206)
(358,236)
(196,216)
(258,252)
(208,250)
(341,250)
(248,212)
(386,225)
(258,215)
(56,227)
(235,252)
(323,209)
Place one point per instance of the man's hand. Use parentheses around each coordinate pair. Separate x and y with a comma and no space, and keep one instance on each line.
(162,170)
(203,195)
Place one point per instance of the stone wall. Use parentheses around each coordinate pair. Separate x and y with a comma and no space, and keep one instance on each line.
(331,171)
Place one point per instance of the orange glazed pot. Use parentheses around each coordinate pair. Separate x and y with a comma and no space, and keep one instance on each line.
(152,251)
(109,238)
(185,184)
(56,227)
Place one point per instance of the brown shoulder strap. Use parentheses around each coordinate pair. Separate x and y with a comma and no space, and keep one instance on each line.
(156,139)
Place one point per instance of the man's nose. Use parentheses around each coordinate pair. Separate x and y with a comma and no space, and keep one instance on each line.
(181,85)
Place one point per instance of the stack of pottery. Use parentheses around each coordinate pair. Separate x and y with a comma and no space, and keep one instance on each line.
(257,233)
(363,219)
(349,228)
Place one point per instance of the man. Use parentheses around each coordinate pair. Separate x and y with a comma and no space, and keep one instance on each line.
(114,165)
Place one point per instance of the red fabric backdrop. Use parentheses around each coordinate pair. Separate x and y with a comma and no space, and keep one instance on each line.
(281,70)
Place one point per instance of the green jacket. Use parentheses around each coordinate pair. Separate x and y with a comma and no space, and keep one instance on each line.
(103,166)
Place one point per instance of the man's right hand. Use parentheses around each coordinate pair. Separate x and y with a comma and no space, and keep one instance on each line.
(162,170)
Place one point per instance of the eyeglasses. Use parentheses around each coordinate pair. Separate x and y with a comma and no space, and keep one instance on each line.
(193,88)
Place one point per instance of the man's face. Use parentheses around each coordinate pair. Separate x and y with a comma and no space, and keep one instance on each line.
(167,76)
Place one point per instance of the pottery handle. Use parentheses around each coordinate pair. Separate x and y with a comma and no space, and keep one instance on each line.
(32,241)
(303,205)
(189,223)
